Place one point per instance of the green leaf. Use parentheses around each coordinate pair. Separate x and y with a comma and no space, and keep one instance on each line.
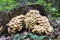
(24,36)
(43,37)
(1,8)
(8,4)
(16,37)
(29,3)
(33,36)
(50,4)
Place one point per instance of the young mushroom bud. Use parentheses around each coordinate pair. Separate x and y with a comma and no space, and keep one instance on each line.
(1,27)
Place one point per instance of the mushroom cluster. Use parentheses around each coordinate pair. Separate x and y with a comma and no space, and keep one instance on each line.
(37,23)
(30,18)
(33,20)
(15,24)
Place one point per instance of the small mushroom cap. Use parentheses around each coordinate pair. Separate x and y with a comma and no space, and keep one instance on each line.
(22,16)
(1,27)
(18,17)
(15,26)
(9,30)
(50,29)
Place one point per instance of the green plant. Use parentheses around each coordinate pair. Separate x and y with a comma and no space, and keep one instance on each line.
(8,5)
(36,37)
(16,37)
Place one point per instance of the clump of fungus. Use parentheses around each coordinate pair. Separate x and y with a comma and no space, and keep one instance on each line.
(37,23)
(33,20)
(15,24)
